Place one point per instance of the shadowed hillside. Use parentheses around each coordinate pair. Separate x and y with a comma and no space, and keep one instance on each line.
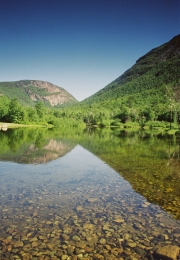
(156,70)
(147,96)
(148,91)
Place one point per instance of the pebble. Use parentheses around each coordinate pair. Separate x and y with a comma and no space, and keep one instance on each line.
(91,200)
(18,244)
(102,241)
(80,225)
(131,244)
(76,238)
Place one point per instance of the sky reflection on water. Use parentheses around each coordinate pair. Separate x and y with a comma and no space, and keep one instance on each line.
(77,205)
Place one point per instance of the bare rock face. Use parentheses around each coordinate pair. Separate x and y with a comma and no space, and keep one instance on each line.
(48,92)
(169,252)
(29,91)
(50,88)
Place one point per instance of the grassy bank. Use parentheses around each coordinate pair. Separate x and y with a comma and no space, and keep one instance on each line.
(13,125)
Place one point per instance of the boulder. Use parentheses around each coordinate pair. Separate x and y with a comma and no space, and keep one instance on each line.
(168,252)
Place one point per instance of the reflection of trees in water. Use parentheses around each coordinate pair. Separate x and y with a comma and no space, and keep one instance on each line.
(39,141)
(149,162)
(32,146)
(174,154)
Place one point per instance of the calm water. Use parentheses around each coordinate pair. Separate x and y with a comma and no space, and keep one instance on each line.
(71,194)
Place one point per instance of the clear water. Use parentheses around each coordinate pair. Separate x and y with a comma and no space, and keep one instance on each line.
(75,206)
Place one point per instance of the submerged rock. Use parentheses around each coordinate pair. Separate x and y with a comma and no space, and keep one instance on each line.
(91,200)
(18,244)
(76,238)
(169,252)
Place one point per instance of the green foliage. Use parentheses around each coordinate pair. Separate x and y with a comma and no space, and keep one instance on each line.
(40,109)
(161,124)
(35,90)
(32,114)
(27,90)
(117,122)
(149,161)
(69,103)
(153,124)
(132,125)
(147,95)
(4,106)
(149,91)
(16,90)
(16,113)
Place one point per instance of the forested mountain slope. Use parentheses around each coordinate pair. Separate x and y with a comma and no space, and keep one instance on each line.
(158,68)
(149,89)
(28,92)
(146,95)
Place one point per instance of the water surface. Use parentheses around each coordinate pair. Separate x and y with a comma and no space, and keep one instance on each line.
(70,194)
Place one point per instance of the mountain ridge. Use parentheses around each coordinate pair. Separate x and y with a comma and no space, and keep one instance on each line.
(28,92)
(170,50)
(155,74)
(145,95)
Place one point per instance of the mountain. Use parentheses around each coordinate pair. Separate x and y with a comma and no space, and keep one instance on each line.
(30,91)
(152,83)
(33,146)
(144,95)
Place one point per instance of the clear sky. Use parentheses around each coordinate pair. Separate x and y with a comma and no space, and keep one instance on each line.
(81,45)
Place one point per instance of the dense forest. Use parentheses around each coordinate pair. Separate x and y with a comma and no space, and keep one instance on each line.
(147,95)
(12,111)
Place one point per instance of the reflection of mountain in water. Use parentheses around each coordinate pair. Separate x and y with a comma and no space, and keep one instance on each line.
(51,151)
(32,147)
(149,162)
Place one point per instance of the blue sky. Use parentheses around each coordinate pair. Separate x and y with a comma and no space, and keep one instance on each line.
(81,45)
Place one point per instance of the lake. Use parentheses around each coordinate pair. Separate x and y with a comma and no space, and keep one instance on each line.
(88,194)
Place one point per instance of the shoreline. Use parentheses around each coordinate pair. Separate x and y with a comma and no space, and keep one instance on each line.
(4,126)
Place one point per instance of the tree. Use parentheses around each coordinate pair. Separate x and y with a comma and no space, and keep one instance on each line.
(40,109)
(4,106)
(32,114)
(16,112)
